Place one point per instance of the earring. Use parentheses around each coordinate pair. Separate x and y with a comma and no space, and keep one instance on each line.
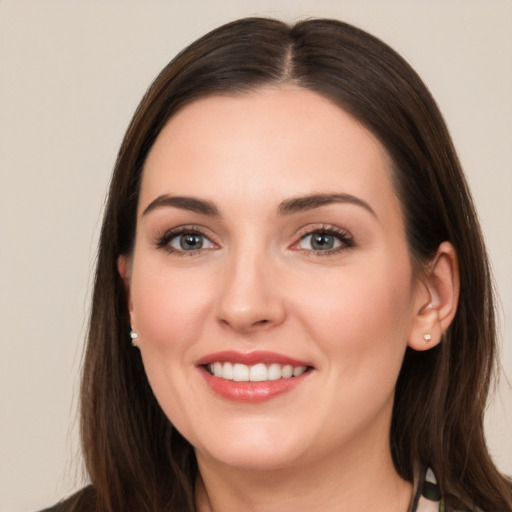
(133,336)
(427,337)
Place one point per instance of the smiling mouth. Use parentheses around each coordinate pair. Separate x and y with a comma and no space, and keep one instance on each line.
(253,377)
(259,372)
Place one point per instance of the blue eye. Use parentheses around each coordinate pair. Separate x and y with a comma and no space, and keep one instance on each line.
(319,242)
(325,240)
(185,241)
(188,242)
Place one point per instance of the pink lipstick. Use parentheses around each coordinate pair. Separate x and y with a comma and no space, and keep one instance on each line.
(252,377)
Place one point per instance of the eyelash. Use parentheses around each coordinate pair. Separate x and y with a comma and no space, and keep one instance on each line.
(163,241)
(344,237)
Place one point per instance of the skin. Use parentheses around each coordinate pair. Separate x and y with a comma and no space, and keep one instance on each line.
(257,284)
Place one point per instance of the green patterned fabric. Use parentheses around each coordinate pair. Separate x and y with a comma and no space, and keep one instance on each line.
(426,494)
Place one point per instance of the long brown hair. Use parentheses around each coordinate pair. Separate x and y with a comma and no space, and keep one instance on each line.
(135,458)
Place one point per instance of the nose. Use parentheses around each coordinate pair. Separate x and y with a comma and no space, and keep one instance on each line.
(250,297)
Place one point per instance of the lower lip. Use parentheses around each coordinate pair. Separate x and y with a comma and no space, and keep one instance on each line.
(251,392)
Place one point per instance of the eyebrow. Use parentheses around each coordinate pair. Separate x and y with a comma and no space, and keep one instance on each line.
(191,204)
(310,202)
(287,207)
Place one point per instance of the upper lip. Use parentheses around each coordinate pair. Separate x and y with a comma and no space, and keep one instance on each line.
(250,358)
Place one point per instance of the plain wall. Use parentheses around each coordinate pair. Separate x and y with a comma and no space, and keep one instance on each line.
(71,75)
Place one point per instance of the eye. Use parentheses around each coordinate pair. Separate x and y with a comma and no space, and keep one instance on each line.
(190,242)
(319,242)
(185,241)
(325,240)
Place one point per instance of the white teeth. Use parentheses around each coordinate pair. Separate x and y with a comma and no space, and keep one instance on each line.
(287,371)
(216,369)
(240,372)
(227,371)
(275,371)
(298,370)
(256,373)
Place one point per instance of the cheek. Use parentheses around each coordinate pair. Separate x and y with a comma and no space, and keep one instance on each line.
(169,307)
(169,311)
(360,318)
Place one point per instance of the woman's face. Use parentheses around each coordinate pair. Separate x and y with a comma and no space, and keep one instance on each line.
(270,242)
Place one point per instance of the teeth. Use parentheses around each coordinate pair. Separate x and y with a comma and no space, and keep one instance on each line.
(227,370)
(216,369)
(298,370)
(288,371)
(257,373)
(240,373)
(275,372)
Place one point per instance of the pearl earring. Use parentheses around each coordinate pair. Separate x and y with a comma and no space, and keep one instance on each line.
(133,336)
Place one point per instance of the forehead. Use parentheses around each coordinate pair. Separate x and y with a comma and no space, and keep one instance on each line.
(266,144)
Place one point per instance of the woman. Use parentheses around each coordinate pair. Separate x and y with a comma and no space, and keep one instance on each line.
(290,244)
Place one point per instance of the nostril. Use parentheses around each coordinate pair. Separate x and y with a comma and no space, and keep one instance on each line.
(260,323)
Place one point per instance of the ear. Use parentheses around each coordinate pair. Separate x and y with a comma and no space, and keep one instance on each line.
(436,299)
(124,266)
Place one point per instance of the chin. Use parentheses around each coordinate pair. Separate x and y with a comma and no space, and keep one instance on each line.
(255,449)
(252,459)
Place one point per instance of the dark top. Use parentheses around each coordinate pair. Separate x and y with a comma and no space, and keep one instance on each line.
(426,496)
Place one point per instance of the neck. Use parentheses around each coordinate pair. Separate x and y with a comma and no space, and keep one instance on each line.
(353,480)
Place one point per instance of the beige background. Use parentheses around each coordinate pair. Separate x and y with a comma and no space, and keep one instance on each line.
(71,74)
